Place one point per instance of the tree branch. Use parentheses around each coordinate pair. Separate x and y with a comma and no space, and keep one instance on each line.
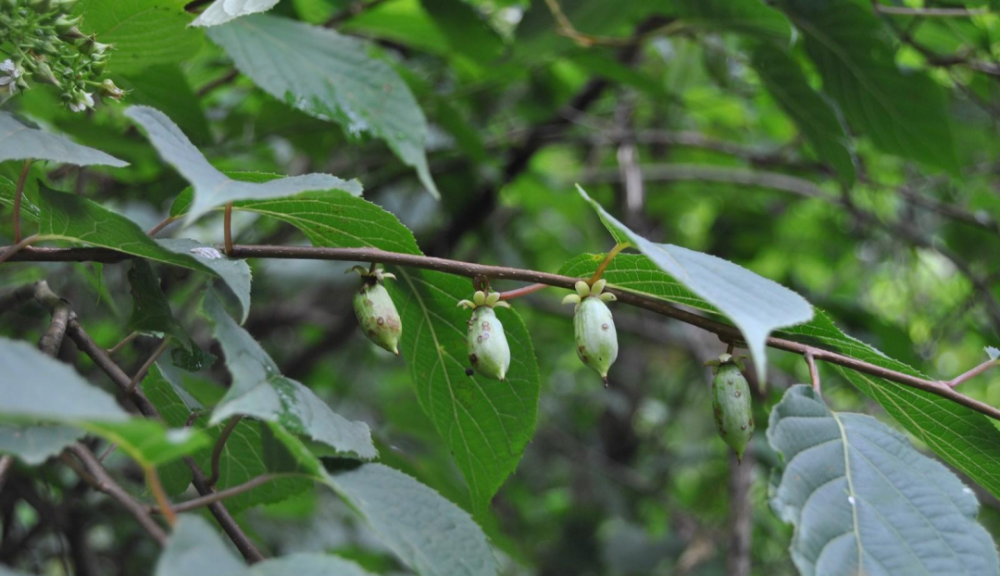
(214,497)
(726,332)
(220,444)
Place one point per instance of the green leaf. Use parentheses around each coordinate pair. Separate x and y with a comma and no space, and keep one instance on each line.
(742,16)
(302,564)
(245,456)
(635,273)
(486,424)
(222,11)
(259,390)
(39,390)
(211,187)
(756,305)
(150,309)
(19,141)
(34,444)
(812,114)
(338,81)
(79,220)
(196,549)
(428,533)
(166,88)
(235,274)
(863,501)
(857,62)
(29,210)
(143,33)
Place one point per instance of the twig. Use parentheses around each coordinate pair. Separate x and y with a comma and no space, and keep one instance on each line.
(15,248)
(227,228)
(813,371)
(220,445)
(18,193)
(52,340)
(103,482)
(12,299)
(225,519)
(217,83)
(125,341)
(524,291)
(972,373)
(159,494)
(161,225)
(607,261)
(930,12)
(725,331)
(141,373)
(107,452)
(195,503)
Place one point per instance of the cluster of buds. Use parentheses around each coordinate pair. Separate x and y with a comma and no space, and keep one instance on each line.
(375,310)
(489,353)
(731,402)
(596,338)
(45,46)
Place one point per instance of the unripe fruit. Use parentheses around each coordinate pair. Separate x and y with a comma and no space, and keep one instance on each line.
(489,353)
(731,403)
(594,327)
(376,311)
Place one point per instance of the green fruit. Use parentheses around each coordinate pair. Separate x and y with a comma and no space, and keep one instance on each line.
(594,327)
(731,404)
(489,353)
(376,311)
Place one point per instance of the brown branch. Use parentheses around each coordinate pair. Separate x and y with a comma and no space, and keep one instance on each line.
(214,497)
(227,228)
(220,445)
(161,225)
(52,340)
(15,298)
(99,478)
(13,249)
(726,332)
(208,89)
(225,519)
(813,371)
(972,373)
(141,373)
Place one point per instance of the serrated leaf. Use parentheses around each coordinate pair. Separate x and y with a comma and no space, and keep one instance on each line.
(857,62)
(211,187)
(235,274)
(18,141)
(243,459)
(143,33)
(962,437)
(35,443)
(222,11)
(863,501)
(39,390)
(427,532)
(486,424)
(79,220)
(756,305)
(742,16)
(814,116)
(338,81)
(259,390)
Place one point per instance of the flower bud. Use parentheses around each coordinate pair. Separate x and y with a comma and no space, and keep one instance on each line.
(731,403)
(376,311)
(109,89)
(64,24)
(594,327)
(489,353)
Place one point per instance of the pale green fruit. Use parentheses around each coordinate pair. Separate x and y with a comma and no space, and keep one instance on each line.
(596,338)
(378,316)
(731,406)
(487,344)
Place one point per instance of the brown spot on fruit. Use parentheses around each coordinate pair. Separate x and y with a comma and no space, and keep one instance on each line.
(604,326)
(738,394)
(486,325)
(473,358)
(380,321)
(743,427)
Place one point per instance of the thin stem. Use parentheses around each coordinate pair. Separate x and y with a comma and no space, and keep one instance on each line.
(159,494)
(524,291)
(18,193)
(15,248)
(223,494)
(972,373)
(607,261)
(220,445)
(52,340)
(726,332)
(225,519)
(161,225)
(99,478)
(108,452)
(227,229)
(125,341)
(147,365)
(813,371)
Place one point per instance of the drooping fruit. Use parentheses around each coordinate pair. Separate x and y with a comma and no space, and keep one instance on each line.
(376,311)
(731,403)
(489,353)
(594,327)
